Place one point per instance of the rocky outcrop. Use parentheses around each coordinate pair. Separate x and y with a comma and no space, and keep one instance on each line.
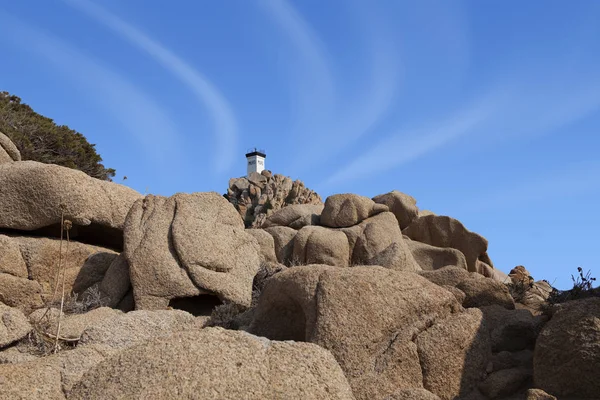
(234,365)
(115,284)
(36,195)
(379,300)
(512,330)
(319,245)
(72,326)
(29,266)
(345,210)
(449,275)
(378,241)
(431,258)
(283,240)
(13,325)
(371,316)
(567,351)
(403,206)
(412,394)
(526,291)
(441,231)
(482,292)
(505,382)
(122,331)
(49,377)
(538,394)
(21,293)
(259,196)
(295,216)
(8,150)
(266,244)
(374,240)
(188,245)
(450,369)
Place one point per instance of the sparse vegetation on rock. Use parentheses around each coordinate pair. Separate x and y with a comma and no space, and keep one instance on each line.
(39,138)
(258,196)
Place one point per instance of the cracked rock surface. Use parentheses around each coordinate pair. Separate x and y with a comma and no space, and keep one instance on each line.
(381,326)
(216,363)
(187,245)
(32,194)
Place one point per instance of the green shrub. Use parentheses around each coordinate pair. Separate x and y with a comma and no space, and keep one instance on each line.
(39,138)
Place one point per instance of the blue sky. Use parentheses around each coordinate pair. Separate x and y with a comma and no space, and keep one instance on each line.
(487,111)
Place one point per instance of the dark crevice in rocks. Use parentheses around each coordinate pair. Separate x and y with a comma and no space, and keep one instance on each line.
(94,234)
(201,305)
(171,244)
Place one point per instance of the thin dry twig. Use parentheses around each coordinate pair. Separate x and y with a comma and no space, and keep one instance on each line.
(67,228)
(62,226)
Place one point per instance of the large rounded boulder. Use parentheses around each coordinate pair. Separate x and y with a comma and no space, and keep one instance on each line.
(387,329)
(8,150)
(378,241)
(36,195)
(29,267)
(216,363)
(344,210)
(319,245)
(403,206)
(189,245)
(442,231)
(295,216)
(567,351)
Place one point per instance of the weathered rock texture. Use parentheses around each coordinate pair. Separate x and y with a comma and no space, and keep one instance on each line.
(283,240)
(122,331)
(381,325)
(29,267)
(380,242)
(8,150)
(266,244)
(187,245)
(295,216)
(345,210)
(215,363)
(431,258)
(13,325)
(73,325)
(525,290)
(402,205)
(34,195)
(441,231)
(567,351)
(115,284)
(49,377)
(319,245)
(512,330)
(260,195)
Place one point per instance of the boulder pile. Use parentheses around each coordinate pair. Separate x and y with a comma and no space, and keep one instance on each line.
(108,294)
(258,195)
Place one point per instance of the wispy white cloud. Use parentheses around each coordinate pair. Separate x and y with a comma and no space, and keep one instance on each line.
(373,100)
(201,86)
(559,186)
(315,92)
(134,109)
(326,114)
(409,145)
(525,107)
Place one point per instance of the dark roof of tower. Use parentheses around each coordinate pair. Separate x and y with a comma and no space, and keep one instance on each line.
(256,152)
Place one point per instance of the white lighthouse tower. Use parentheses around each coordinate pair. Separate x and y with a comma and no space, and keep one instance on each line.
(256,161)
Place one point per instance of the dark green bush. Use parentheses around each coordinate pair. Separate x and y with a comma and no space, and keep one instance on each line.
(38,138)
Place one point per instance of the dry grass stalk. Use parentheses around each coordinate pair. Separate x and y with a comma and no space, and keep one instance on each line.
(67,225)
